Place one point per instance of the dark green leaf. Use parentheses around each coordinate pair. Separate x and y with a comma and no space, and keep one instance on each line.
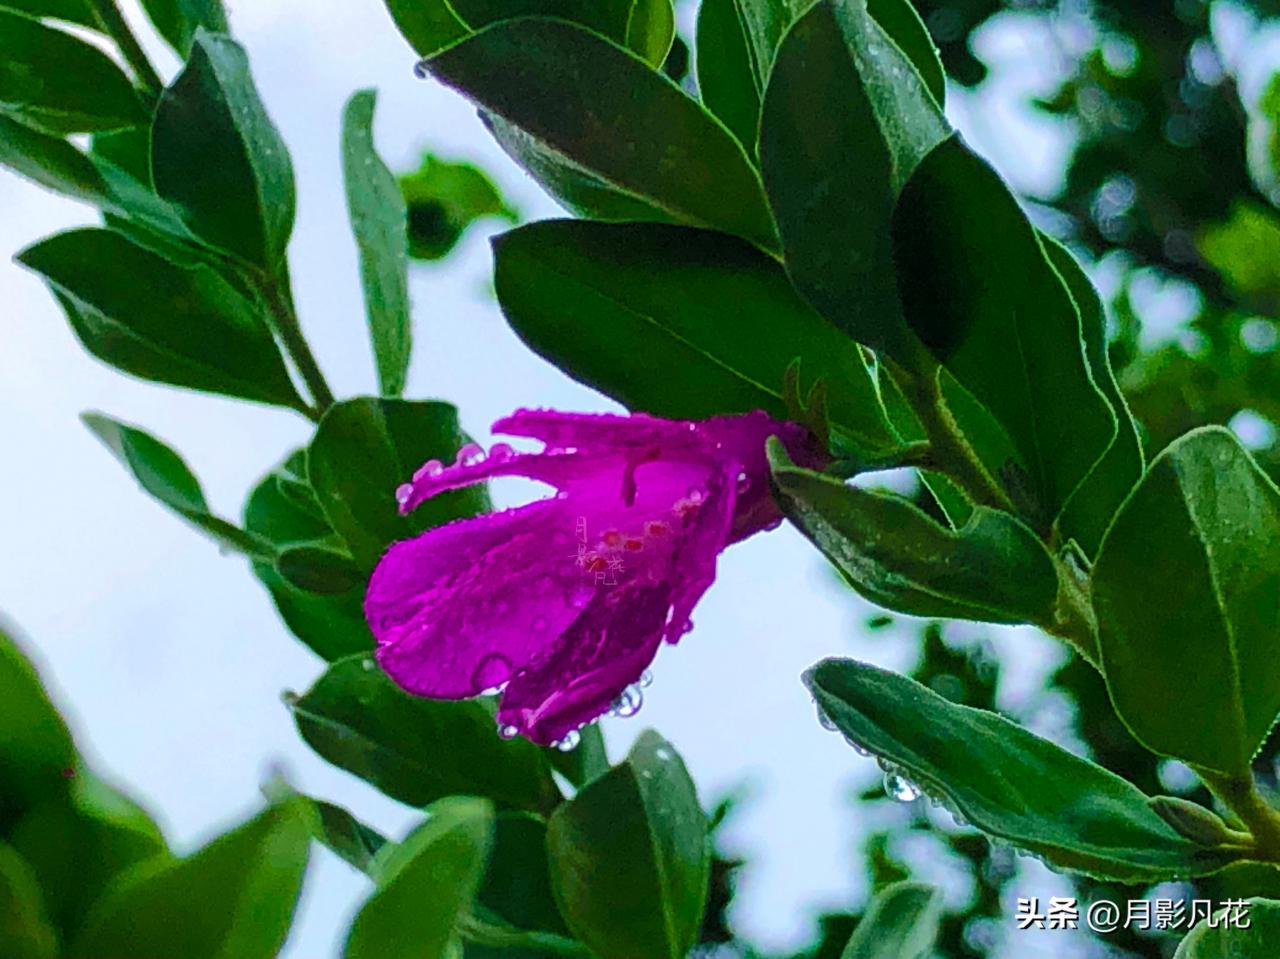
(417,750)
(60,84)
(1204,521)
(993,568)
(363,450)
(1007,782)
(179,20)
(630,859)
(1016,345)
(319,570)
(49,161)
(898,18)
(24,926)
(161,322)
(235,897)
(900,923)
(821,166)
(425,885)
(1221,940)
(728,80)
(517,885)
(36,751)
(216,155)
(584,105)
(164,476)
(379,219)
(764,23)
(335,828)
(444,199)
(72,11)
(678,322)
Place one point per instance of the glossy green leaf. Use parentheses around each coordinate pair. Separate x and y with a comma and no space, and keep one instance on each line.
(133,310)
(178,21)
(993,568)
(363,450)
(584,105)
(379,218)
(516,892)
(165,477)
(899,19)
(1015,345)
(630,859)
(216,155)
(425,885)
(58,83)
(651,29)
(1205,521)
(1007,782)
(1220,940)
(444,199)
(821,166)
(765,23)
(25,931)
(233,899)
(1089,510)
(51,162)
(728,77)
(900,923)
(417,750)
(36,750)
(678,322)
(333,626)
(428,25)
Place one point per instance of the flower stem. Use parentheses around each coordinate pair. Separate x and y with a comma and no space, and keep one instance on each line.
(276,290)
(1240,795)
(114,25)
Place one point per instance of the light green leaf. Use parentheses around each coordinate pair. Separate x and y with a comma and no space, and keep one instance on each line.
(1222,941)
(444,199)
(178,21)
(36,751)
(379,219)
(24,925)
(901,923)
(428,25)
(1007,782)
(629,857)
(1245,249)
(651,29)
(1205,522)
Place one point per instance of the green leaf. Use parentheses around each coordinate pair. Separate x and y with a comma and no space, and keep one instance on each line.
(678,322)
(1016,345)
(51,162)
(582,105)
(133,310)
(333,626)
(165,477)
(428,25)
(178,21)
(425,885)
(233,899)
(728,77)
(630,859)
(1007,782)
(216,155)
(1205,520)
(24,925)
(901,923)
(319,570)
(36,751)
(59,84)
(1089,510)
(335,828)
(417,750)
(379,219)
(363,450)
(444,199)
(588,761)
(1245,249)
(1193,820)
(820,165)
(899,19)
(1222,941)
(651,29)
(516,891)
(993,568)
(72,11)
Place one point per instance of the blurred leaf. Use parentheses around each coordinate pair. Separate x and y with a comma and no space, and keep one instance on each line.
(678,322)
(728,78)
(24,927)
(216,155)
(161,322)
(1207,519)
(444,199)
(319,570)
(1007,782)
(1246,250)
(425,885)
(993,568)
(36,750)
(50,162)
(1219,940)
(363,450)
(59,84)
(901,923)
(584,106)
(1016,345)
(630,859)
(380,221)
(418,750)
(819,166)
(233,898)
(178,21)
(164,476)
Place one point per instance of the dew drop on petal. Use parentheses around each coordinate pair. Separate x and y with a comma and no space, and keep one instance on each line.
(403,492)
(646,679)
(491,674)
(900,789)
(570,741)
(427,470)
(744,482)
(507,731)
(628,702)
(469,454)
(694,495)
(857,747)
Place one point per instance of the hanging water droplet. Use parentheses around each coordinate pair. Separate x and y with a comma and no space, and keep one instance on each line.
(900,789)
(501,452)
(507,731)
(646,679)
(773,524)
(629,702)
(491,674)
(420,70)
(570,741)
(744,483)
(824,720)
(368,665)
(427,470)
(470,454)
(403,492)
(857,747)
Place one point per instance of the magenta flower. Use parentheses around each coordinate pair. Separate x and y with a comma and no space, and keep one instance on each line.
(563,603)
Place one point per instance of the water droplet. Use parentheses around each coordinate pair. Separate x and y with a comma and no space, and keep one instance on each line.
(570,741)
(744,483)
(646,679)
(403,492)
(687,627)
(824,720)
(694,495)
(470,454)
(427,470)
(857,747)
(629,702)
(507,731)
(662,753)
(421,70)
(368,665)
(491,673)
(501,452)
(900,789)
(290,698)
(772,525)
